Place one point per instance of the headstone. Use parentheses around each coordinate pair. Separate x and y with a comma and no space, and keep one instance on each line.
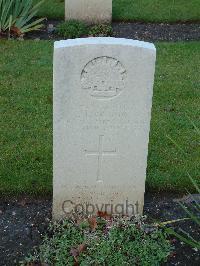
(89,11)
(102,108)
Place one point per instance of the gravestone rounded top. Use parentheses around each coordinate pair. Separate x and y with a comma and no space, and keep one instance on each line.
(104,41)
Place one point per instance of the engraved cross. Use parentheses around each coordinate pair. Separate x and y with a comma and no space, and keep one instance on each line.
(100,153)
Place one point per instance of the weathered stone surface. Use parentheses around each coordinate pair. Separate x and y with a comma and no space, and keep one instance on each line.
(90,11)
(102,108)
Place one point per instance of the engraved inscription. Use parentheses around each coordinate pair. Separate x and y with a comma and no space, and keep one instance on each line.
(100,153)
(103,77)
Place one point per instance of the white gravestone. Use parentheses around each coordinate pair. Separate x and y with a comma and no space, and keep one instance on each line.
(90,11)
(102,109)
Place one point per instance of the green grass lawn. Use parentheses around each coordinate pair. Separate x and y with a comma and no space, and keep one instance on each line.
(144,10)
(26,117)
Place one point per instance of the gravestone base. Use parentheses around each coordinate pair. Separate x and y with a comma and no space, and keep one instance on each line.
(89,11)
(90,200)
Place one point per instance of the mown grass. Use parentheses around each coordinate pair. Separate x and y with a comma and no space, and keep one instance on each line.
(26,117)
(175,103)
(142,10)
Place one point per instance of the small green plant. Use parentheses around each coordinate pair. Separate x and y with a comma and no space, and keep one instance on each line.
(171,8)
(193,213)
(101,30)
(98,241)
(72,29)
(16,16)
